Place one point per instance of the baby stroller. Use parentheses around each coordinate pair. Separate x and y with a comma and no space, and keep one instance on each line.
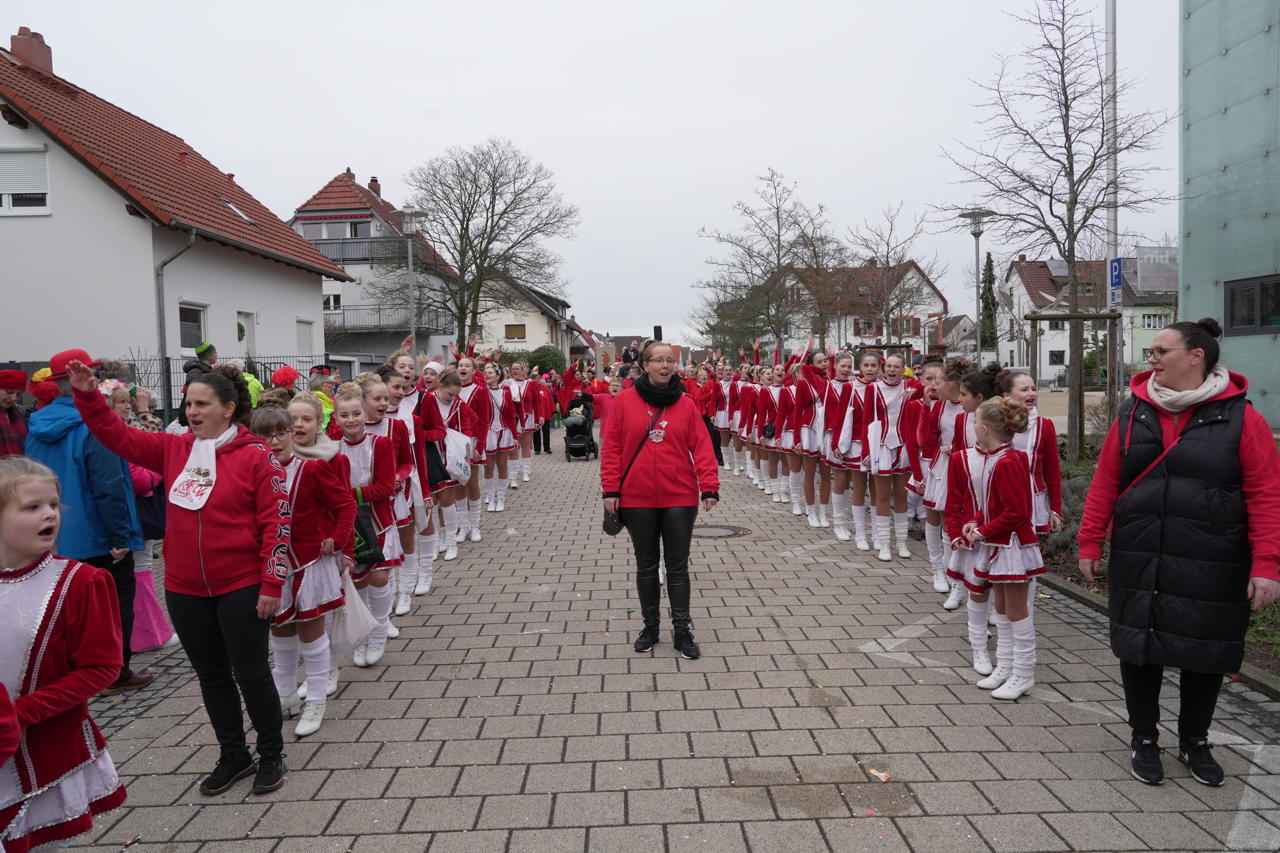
(578,438)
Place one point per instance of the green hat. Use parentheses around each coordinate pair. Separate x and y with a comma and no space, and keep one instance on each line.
(203,349)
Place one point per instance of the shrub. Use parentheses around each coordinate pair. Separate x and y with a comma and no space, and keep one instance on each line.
(547,358)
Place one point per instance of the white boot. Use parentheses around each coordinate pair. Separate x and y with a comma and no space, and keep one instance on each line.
(860,527)
(527,464)
(426,563)
(316,660)
(502,496)
(840,515)
(822,516)
(900,522)
(1024,662)
(812,512)
(473,508)
(403,602)
(451,551)
(779,493)
(933,541)
(957,596)
(765,484)
(977,613)
(795,491)
(284,663)
(1004,655)
(312,717)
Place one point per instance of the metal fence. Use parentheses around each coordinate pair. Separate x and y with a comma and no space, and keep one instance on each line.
(151,373)
(379,318)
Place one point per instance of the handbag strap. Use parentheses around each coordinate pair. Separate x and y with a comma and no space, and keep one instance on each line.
(643,442)
(1149,468)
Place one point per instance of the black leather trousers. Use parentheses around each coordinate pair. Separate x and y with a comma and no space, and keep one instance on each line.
(657,533)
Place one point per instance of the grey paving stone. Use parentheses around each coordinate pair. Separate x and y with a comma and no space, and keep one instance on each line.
(693,772)
(941,835)
(1167,831)
(492,841)
(864,834)
(547,841)
(624,839)
(594,809)
(361,817)
(794,836)
(1018,834)
(735,803)
(1093,831)
(808,801)
(437,814)
(662,806)
(296,819)
(706,838)
(1239,830)
(958,798)
(484,780)
(550,778)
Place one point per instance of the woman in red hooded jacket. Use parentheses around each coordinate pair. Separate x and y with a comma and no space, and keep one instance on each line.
(226,556)
(655,465)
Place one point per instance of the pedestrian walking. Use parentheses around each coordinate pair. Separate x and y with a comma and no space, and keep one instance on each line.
(59,646)
(1186,483)
(226,557)
(655,466)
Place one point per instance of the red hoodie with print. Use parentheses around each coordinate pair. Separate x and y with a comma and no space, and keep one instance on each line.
(240,537)
(676,471)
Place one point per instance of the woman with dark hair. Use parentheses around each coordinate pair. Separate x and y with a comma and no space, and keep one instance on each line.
(1187,484)
(226,547)
(655,464)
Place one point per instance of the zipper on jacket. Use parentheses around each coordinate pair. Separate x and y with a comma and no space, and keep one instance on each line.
(204,576)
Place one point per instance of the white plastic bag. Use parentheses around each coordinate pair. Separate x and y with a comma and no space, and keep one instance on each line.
(457,449)
(352,622)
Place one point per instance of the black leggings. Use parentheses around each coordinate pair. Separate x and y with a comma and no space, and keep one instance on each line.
(672,529)
(126,591)
(1199,695)
(227,645)
(542,438)
(715,439)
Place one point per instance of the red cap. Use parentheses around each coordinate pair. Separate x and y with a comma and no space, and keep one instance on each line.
(58,364)
(13,380)
(284,377)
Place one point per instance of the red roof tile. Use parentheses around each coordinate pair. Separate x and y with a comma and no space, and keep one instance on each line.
(1044,287)
(854,286)
(343,193)
(160,173)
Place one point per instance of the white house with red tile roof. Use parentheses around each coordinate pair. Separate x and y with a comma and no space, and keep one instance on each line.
(98,207)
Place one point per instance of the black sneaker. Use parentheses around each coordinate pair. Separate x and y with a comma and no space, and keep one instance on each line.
(228,772)
(270,775)
(647,640)
(683,641)
(1144,761)
(1198,756)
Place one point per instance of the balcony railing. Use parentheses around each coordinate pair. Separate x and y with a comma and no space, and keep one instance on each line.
(375,318)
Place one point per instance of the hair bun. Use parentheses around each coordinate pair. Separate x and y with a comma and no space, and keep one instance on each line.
(1015,415)
(1211,326)
(993,367)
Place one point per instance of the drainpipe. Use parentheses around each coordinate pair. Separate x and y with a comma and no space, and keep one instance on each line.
(160,324)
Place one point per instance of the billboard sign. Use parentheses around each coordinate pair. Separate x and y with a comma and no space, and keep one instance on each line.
(1157,267)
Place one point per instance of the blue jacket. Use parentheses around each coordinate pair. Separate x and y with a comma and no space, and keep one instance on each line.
(98,508)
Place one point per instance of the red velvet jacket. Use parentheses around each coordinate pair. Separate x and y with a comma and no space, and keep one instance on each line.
(323,508)
(506,410)
(9,728)
(929,428)
(1259,462)
(747,394)
(481,408)
(1046,467)
(380,492)
(74,655)
(398,433)
(241,535)
(771,411)
(676,471)
(875,409)
(1005,510)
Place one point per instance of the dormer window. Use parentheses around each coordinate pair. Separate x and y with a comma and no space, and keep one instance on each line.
(24,181)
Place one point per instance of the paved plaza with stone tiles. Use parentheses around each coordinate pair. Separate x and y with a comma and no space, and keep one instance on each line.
(512,715)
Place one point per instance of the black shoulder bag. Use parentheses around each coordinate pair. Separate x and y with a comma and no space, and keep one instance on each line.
(613,521)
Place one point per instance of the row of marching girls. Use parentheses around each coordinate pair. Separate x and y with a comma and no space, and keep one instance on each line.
(993,485)
(812,433)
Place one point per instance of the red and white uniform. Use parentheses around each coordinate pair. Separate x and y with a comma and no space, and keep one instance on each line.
(501,433)
(808,414)
(59,646)
(748,392)
(438,417)
(936,430)
(993,490)
(770,403)
(474,397)
(322,508)
(373,481)
(1040,443)
(733,388)
(889,429)
(720,417)
(835,406)
(523,396)
(964,434)
(394,429)
(848,444)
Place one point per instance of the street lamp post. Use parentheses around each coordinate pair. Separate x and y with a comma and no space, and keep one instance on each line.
(976,216)
(408,219)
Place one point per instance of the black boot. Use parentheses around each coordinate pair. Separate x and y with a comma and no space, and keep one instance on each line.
(270,774)
(228,771)
(684,644)
(650,593)
(647,640)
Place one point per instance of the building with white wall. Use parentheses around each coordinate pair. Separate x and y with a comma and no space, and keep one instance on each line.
(95,200)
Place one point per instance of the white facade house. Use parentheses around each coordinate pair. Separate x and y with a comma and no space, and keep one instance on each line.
(528,319)
(93,200)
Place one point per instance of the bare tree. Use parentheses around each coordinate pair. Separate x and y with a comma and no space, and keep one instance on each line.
(888,245)
(750,272)
(488,211)
(819,258)
(1042,166)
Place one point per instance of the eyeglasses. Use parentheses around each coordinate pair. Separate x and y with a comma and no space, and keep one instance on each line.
(270,435)
(1160,352)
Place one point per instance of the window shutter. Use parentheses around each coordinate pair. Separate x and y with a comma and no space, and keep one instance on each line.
(23,172)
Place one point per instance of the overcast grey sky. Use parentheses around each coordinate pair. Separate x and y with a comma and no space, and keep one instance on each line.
(654,117)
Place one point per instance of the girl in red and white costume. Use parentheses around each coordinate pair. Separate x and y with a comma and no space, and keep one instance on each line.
(524,395)
(377,405)
(1040,443)
(374,480)
(838,393)
(850,448)
(502,427)
(442,410)
(417,533)
(789,427)
(935,433)
(813,387)
(889,446)
(722,418)
(976,387)
(59,647)
(324,516)
(745,427)
(989,515)
(473,395)
(732,384)
(770,418)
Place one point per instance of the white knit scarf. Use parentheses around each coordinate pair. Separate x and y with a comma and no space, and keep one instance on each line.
(192,487)
(324,449)
(1179,401)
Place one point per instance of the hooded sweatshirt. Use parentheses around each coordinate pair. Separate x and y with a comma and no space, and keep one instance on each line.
(240,537)
(1259,462)
(99,512)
